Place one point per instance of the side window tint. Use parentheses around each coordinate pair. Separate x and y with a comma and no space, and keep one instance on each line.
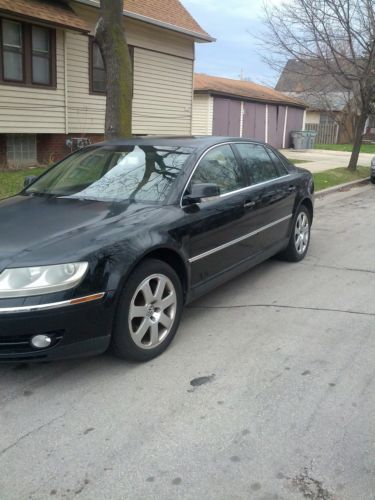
(278,163)
(220,166)
(257,162)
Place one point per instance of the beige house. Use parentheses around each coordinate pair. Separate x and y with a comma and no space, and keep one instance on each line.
(52,88)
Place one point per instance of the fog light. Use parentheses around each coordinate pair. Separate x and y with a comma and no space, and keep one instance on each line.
(41,341)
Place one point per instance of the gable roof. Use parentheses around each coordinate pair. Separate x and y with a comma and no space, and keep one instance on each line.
(241,88)
(56,13)
(169,14)
(298,76)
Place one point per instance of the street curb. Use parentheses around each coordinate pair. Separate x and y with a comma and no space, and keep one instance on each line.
(341,187)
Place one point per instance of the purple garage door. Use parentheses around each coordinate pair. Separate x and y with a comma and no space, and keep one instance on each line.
(227,117)
(276,119)
(294,122)
(254,121)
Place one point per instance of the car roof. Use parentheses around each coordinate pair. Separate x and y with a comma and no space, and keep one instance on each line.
(199,142)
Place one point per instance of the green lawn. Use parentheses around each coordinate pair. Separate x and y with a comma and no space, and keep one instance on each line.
(365,148)
(11,182)
(335,176)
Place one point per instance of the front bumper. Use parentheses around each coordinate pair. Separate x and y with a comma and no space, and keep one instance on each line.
(77,329)
(372,174)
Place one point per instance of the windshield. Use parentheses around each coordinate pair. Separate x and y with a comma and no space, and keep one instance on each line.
(108,173)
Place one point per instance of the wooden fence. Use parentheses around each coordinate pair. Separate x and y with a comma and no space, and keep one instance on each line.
(327,132)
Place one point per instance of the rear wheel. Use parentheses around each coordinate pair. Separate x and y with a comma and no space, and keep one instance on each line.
(373,180)
(149,312)
(299,238)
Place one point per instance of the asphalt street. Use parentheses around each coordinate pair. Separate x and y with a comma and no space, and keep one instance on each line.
(267,392)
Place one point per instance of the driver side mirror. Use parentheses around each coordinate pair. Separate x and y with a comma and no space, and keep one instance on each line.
(29,180)
(202,190)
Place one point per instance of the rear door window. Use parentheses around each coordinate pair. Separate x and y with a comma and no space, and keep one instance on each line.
(258,163)
(278,163)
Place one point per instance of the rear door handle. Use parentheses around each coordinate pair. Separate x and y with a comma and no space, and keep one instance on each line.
(249,204)
(292,188)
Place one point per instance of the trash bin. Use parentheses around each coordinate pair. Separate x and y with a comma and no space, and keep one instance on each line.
(311,138)
(299,139)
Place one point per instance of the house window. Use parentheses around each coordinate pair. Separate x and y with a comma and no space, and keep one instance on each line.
(98,74)
(97,70)
(28,54)
(12,51)
(21,150)
(41,55)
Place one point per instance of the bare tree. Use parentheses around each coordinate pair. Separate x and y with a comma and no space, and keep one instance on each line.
(111,38)
(339,35)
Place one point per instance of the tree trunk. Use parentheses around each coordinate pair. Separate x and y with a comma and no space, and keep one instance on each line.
(111,38)
(360,125)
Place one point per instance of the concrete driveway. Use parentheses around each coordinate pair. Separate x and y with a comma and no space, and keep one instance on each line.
(268,391)
(319,160)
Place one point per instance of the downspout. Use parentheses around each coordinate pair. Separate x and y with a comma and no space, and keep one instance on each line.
(192,92)
(285,122)
(66,84)
(266,126)
(241,118)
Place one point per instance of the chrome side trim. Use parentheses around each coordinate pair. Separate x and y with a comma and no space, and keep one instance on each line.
(248,188)
(53,305)
(238,240)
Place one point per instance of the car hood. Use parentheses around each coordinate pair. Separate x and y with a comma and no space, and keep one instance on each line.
(38,230)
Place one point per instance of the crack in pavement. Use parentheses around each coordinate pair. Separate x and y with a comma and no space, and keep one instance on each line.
(3,451)
(337,268)
(283,306)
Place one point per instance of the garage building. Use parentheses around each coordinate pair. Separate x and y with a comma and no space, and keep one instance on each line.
(239,108)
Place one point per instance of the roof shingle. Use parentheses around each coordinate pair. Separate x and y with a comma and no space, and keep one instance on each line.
(241,88)
(56,13)
(167,11)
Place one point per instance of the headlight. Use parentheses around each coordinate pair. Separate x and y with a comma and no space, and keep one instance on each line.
(27,281)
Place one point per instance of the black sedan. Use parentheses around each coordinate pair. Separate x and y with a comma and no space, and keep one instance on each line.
(105,248)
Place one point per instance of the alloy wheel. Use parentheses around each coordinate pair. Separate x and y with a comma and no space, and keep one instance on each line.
(301,233)
(152,311)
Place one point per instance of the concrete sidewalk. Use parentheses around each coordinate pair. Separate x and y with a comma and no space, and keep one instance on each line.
(319,160)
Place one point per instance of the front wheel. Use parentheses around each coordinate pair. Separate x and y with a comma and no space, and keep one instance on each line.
(149,312)
(299,238)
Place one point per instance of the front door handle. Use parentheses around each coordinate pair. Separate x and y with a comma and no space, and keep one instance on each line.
(249,204)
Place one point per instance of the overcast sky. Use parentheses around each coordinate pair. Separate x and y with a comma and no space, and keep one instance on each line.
(232,23)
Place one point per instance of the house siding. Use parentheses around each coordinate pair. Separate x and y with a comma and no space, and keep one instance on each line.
(162,102)
(313,117)
(32,110)
(86,112)
(203,109)
(163,72)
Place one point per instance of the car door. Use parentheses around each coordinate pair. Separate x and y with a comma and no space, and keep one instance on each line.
(218,228)
(275,192)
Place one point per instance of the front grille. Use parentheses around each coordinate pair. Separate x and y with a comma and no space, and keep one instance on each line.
(18,344)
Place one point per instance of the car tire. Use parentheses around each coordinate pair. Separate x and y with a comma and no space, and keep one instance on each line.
(148,313)
(300,236)
(372,179)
